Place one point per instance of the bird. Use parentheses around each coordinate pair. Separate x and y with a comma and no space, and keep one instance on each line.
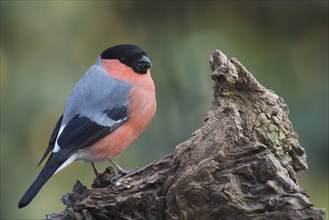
(108,108)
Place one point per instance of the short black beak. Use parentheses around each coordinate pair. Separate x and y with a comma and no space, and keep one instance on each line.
(143,64)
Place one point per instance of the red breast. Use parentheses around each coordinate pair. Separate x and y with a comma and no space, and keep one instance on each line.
(142,107)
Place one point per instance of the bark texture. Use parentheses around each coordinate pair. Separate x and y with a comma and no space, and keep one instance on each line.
(243,163)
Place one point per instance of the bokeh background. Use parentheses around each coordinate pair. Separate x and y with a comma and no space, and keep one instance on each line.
(46,46)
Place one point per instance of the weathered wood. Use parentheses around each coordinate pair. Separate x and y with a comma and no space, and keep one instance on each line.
(243,163)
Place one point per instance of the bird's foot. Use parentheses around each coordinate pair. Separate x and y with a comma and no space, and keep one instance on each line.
(122,171)
(126,172)
(116,178)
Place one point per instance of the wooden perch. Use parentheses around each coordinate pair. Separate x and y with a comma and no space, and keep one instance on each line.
(243,163)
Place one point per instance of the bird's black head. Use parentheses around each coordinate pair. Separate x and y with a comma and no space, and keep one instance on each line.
(130,55)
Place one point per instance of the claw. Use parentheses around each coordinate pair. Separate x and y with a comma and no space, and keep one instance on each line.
(122,172)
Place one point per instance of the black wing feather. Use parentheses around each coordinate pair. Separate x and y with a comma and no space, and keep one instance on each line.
(117,113)
(52,139)
(81,132)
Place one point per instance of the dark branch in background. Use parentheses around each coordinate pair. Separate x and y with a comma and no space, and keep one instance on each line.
(243,163)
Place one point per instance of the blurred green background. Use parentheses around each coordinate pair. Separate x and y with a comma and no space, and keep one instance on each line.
(46,46)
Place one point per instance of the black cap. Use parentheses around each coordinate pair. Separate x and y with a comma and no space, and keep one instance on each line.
(130,55)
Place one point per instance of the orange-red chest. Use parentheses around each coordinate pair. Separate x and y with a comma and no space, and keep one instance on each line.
(142,107)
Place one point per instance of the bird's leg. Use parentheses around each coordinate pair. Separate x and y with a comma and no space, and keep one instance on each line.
(119,169)
(95,169)
(122,172)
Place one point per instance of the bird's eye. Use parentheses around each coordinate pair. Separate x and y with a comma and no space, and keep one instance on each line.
(123,60)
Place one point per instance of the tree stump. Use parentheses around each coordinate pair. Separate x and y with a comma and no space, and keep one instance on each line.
(243,163)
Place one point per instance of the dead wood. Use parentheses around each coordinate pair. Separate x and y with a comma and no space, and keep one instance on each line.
(243,163)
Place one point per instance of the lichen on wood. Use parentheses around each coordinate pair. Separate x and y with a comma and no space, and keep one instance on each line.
(243,163)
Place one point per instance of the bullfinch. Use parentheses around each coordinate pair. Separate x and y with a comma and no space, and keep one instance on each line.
(106,111)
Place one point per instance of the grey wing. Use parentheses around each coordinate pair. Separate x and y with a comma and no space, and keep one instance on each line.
(96,93)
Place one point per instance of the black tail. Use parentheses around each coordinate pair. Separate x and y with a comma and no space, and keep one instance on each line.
(53,163)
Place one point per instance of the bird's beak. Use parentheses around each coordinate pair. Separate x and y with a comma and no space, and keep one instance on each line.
(145,59)
(143,64)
